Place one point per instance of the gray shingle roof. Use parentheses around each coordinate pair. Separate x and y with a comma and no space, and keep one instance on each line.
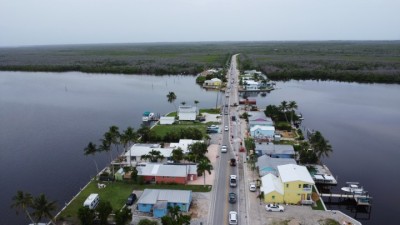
(151,196)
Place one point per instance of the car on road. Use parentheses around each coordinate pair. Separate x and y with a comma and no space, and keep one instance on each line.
(226,128)
(233,162)
(224,149)
(131,199)
(253,186)
(232,197)
(274,208)
(233,180)
(233,218)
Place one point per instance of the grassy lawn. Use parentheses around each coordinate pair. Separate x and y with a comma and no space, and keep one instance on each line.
(117,192)
(172,114)
(319,206)
(162,130)
(210,111)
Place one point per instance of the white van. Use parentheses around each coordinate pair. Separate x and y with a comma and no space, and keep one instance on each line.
(92,201)
(233,220)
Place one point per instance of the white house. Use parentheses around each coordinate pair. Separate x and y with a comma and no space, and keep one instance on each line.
(167,120)
(134,154)
(213,82)
(251,85)
(183,144)
(187,112)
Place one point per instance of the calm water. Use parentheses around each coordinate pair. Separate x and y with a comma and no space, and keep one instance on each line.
(362,123)
(46,119)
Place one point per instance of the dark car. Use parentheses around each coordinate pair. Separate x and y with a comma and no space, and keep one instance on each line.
(131,199)
(232,197)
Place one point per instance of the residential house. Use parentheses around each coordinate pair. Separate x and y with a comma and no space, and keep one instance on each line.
(274,151)
(297,184)
(262,132)
(259,118)
(251,85)
(272,187)
(266,164)
(158,200)
(293,186)
(119,175)
(187,112)
(167,120)
(135,153)
(214,82)
(184,144)
(167,173)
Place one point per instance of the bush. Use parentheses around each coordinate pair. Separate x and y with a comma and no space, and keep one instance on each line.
(283,126)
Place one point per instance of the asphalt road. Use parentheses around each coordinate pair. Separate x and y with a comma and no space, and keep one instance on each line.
(220,205)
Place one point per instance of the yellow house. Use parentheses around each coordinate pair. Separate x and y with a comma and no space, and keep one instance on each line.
(293,186)
(272,188)
(215,82)
(297,184)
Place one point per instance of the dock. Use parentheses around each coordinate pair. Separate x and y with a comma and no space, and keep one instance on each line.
(361,200)
(322,175)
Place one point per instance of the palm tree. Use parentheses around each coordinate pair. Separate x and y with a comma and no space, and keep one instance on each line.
(177,155)
(320,145)
(104,209)
(21,201)
(43,208)
(204,166)
(91,149)
(127,138)
(292,106)
(198,149)
(144,133)
(86,215)
(171,98)
(153,156)
(114,136)
(197,102)
(283,108)
(106,147)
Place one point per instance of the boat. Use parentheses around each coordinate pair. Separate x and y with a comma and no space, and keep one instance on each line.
(354,188)
(147,116)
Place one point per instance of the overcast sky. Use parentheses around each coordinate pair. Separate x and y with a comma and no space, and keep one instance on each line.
(47,22)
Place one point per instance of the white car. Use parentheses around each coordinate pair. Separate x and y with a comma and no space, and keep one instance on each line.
(253,186)
(226,128)
(224,149)
(274,208)
(233,218)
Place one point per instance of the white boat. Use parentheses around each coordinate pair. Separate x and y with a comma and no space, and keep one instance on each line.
(354,188)
(147,116)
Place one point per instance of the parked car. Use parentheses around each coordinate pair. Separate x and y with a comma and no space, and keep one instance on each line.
(253,186)
(131,199)
(274,208)
(224,149)
(232,197)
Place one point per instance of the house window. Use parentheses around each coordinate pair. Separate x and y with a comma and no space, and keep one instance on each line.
(299,185)
(287,185)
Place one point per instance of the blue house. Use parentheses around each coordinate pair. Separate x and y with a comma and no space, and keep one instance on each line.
(274,151)
(157,201)
(266,164)
(262,132)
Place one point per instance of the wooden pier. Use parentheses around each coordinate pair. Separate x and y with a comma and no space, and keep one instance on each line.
(362,200)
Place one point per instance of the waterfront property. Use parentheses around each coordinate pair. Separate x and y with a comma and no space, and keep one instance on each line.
(274,151)
(266,164)
(187,113)
(260,132)
(135,153)
(167,173)
(293,186)
(321,174)
(251,85)
(157,201)
(183,144)
(259,118)
(213,83)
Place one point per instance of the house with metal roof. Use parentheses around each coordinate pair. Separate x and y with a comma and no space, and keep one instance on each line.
(187,112)
(259,118)
(167,173)
(292,186)
(262,132)
(156,201)
(272,187)
(274,151)
(214,82)
(297,183)
(266,164)
(135,153)
(184,144)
